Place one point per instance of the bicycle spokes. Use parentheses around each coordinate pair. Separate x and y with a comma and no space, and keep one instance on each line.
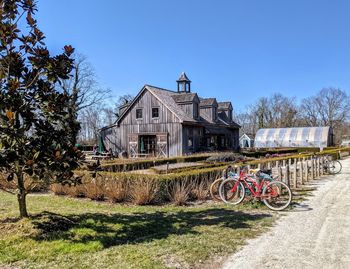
(277,195)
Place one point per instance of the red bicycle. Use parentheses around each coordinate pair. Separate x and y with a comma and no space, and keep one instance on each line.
(276,195)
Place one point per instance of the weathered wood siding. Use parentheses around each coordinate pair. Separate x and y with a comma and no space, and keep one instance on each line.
(208,113)
(226,114)
(188,108)
(167,122)
(195,133)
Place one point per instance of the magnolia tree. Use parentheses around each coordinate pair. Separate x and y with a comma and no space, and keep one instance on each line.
(37,124)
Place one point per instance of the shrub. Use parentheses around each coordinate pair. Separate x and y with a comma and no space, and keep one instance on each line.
(144,191)
(180,191)
(95,189)
(131,165)
(59,189)
(117,190)
(200,189)
(77,190)
(226,157)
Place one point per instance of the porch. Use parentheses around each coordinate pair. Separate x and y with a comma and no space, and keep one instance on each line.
(143,145)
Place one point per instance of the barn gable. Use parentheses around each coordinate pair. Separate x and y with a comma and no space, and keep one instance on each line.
(159,122)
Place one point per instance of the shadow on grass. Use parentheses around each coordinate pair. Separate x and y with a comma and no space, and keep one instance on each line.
(118,229)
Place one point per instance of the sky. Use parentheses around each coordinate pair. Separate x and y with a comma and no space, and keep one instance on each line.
(235,50)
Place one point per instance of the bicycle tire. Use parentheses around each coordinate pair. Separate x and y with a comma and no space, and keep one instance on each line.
(334,167)
(225,187)
(214,189)
(268,201)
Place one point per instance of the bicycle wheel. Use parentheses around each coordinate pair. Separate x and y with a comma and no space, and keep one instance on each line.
(230,196)
(214,189)
(334,167)
(277,195)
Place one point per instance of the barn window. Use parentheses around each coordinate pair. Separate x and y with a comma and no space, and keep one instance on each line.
(195,111)
(155,112)
(139,113)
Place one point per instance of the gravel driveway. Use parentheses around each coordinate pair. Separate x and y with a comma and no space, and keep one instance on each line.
(314,235)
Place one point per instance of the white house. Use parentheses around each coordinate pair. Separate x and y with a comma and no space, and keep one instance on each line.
(246,141)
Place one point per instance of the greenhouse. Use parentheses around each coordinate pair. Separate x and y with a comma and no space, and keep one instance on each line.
(317,137)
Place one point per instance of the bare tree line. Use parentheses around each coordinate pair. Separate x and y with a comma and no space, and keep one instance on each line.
(90,100)
(329,107)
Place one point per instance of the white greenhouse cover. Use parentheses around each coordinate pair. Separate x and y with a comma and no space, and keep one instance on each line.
(292,137)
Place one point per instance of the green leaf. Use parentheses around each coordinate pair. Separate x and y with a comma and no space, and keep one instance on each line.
(36,155)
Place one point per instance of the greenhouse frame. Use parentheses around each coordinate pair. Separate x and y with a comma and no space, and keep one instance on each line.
(316,137)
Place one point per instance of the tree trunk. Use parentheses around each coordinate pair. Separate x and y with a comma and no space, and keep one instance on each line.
(21,196)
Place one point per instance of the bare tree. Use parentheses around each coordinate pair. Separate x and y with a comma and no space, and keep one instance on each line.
(124,99)
(247,120)
(91,120)
(109,116)
(275,112)
(83,86)
(330,107)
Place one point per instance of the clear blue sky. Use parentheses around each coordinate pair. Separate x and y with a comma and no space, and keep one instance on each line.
(232,50)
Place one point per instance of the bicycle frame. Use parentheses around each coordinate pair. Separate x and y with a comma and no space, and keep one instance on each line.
(258,193)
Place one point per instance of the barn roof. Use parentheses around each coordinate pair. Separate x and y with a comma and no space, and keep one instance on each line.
(170,99)
(224,105)
(293,137)
(184,97)
(207,101)
(166,97)
(183,77)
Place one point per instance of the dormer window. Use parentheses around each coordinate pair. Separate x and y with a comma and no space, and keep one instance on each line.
(139,113)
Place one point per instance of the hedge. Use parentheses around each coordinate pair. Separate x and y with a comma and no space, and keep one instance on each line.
(147,189)
(143,189)
(131,165)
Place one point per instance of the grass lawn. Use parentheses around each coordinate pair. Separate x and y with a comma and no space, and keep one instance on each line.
(71,233)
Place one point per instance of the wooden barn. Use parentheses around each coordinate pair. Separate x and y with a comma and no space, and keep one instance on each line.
(164,123)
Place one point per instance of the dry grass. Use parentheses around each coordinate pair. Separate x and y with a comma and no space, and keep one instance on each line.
(59,189)
(117,190)
(95,189)
(77,190)
(141,189)
(200,189)
(180,191)
(144,191)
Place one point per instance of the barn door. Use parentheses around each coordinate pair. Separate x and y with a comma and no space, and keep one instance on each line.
(133,145)
(162,145)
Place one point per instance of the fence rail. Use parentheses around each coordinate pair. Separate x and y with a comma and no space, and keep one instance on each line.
(296,171)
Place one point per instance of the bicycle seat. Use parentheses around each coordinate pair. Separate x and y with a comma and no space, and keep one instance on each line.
(266,171)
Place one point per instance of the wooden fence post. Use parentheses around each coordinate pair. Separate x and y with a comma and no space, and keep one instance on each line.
(306,170)
(279,171)
(287,175)
(321,168)
(301,171)
(316,168)
(312,169)
(295,179)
